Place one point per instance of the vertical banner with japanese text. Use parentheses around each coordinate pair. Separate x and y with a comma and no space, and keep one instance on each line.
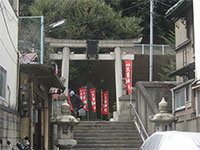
(105,103)
(69,101)
(128,75)
(93,99)
(83,96)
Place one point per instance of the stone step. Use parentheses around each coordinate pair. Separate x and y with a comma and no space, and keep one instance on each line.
(105,130)
(105,149)
(91,142)
(106,134)
(106,146)
(104,127)
(108,138)
(106,122)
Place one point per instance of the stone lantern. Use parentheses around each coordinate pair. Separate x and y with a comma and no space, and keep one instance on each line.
(65,123)
(163,119)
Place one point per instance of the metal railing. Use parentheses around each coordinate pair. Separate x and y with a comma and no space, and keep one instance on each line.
(139,125)
(144,49)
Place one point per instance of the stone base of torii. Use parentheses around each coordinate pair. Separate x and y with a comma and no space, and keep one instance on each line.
(116,56)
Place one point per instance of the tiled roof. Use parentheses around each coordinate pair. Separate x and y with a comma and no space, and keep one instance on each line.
(26,58)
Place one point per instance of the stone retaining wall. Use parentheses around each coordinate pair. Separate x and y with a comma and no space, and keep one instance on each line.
(9,126)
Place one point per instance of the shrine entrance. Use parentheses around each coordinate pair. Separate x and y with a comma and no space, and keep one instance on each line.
(92,54)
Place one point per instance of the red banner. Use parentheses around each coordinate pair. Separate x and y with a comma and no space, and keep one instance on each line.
(83,96)
(93,99)
(128,74)
(105,103)
(69,101)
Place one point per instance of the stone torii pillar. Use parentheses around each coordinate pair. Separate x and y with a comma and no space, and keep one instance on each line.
(118,75)
(65,67)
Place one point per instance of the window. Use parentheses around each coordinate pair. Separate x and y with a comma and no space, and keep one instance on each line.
(2,83)
(198,102)
(180,98)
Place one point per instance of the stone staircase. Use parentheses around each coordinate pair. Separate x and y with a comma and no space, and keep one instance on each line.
(105,135)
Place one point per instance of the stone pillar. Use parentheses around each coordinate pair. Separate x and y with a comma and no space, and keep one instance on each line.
(163,119)
(118,76)
(65,67)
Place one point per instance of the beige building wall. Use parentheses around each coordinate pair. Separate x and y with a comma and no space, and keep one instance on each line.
(180,31)
(9,52)
(9,117)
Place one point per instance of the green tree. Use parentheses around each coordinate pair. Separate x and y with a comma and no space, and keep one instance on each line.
(86,19)
(171,67)
(24,7)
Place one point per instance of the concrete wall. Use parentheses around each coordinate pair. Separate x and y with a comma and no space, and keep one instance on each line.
(187,123)
(148,95)
(9,52)
(180,31)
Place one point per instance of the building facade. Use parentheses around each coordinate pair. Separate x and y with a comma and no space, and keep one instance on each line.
(35,103)
(9,117)
(186,93)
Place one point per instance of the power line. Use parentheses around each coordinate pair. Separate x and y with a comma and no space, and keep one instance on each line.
(8,29)
(7,12)
(7,51)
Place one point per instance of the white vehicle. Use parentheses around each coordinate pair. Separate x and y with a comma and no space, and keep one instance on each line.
(172,140)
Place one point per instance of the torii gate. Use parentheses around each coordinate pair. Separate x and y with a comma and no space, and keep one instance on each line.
(117,56)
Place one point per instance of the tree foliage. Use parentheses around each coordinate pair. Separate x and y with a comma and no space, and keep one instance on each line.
(141,8)
(170,39)
(86,19)
(171,67)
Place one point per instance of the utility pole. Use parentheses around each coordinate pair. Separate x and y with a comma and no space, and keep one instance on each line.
(151,42)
